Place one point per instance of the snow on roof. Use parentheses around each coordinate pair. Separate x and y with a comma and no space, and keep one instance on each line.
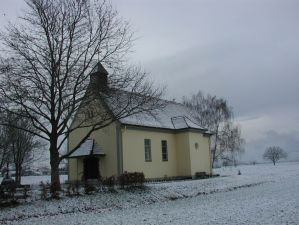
(179,122)
(172,116)
(89,147)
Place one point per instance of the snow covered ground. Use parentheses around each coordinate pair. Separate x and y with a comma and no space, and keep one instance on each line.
(263,194)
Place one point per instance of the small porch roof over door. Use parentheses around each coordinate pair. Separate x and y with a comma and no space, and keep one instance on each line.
(88,148)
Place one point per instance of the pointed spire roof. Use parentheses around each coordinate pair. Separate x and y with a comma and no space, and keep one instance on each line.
(99,69)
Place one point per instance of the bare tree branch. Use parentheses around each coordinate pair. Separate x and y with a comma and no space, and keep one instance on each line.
(46,63)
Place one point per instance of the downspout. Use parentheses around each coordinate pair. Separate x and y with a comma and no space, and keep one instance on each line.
(119,148)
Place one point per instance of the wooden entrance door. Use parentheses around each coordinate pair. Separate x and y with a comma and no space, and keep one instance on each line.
(91,168)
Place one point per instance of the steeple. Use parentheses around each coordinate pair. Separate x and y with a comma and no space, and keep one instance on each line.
(99,77)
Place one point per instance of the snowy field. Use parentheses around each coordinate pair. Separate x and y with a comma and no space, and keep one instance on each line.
(35,180)
(263,194)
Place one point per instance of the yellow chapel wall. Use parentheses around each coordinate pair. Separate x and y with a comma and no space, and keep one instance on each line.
(106,138)
(183,158)
(134,157)
(200,157)
(183,155)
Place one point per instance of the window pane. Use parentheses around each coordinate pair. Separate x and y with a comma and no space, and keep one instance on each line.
(147,150)
(164,151)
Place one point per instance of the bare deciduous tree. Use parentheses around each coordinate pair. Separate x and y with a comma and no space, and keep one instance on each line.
(274,153)
(231,142)
(211,113)
(4,154)
(21,145)
(46,64)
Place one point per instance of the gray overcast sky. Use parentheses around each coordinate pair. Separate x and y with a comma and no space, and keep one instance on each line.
(243,50)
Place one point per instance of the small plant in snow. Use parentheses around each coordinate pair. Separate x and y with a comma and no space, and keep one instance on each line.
(109,182)
(89,188)
(44,190)
(72,188)
(76,188)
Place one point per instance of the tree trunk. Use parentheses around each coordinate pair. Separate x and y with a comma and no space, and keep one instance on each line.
(214,149)
(54,161)
(18,174)
(213,156)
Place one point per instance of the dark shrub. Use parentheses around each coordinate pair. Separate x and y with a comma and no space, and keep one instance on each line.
(201,175)
(7,192)
(109,182)
(89,187)
(128,179)
(48,191)
(72,188)
(122,179)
